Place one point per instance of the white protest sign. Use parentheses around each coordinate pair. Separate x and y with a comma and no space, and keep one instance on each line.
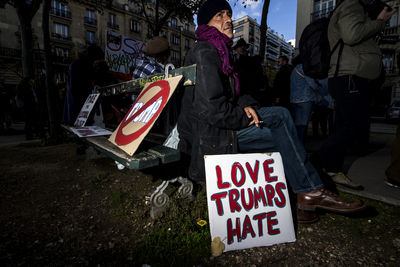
(248,200)
(122,53)
(143,114)
(88,131)
(85,110)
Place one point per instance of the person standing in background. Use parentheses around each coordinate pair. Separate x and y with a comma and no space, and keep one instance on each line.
(349,79)
(302,97)
(281,89)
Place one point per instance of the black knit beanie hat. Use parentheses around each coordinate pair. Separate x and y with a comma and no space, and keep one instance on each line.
(208,10)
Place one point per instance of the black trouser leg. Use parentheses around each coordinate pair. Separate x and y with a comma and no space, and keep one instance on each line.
(351,119)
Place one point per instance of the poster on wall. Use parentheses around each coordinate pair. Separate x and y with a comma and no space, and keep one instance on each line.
(143,113)
(123,54)
(248,200)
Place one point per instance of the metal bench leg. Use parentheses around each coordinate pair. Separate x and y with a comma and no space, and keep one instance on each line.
(186,188)
(159,200)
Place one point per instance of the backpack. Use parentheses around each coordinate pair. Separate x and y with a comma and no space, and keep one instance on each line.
(315,50)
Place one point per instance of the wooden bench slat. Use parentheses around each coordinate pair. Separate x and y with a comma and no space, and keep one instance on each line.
(166,154)
(138,161)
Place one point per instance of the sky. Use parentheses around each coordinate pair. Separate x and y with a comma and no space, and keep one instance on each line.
(281,15)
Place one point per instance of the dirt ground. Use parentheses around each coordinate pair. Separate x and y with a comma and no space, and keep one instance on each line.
(63,209)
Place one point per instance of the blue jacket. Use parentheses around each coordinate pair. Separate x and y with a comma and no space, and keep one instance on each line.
(302,87)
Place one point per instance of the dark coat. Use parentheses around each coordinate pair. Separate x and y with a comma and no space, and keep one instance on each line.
(282,85)
(210,113)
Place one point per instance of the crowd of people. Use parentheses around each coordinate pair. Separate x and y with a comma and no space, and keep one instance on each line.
(221,114)
(233,109)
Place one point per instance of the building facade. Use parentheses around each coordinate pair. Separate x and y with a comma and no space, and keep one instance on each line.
(76,24)
(389,42)
(248,29)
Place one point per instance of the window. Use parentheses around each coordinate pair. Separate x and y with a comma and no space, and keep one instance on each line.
(174,23)
(112,21)
(237,38)
(90,37)
(187,43)
(175,56)
(135,26)
(175,39)
(61,30)
(61,52)
(387,60)
(59,8)
(322,8)
(89,17)
(257,40)
(256,49)
(61,77)
(238,29)
(150,32)
(394,21)
(150,12)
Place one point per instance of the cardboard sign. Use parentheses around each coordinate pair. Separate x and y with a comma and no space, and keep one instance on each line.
(90,131)
(85,110)
(248,200)
(143,113)
(123,53)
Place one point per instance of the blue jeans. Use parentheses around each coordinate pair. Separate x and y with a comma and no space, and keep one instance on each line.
(278,134)
(302,113)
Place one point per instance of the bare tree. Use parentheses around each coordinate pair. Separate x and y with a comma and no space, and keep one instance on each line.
(51,96)
(263,25)
(165,9)
(26,10)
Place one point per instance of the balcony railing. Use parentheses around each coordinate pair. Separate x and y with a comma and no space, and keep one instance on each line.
(188,32)
(90,41)
(323,13)
(391,30)
(61,59)
(175,26)
(113,25)
(10,52)
(61,37)
(60,13)
(273,42)
(90,21)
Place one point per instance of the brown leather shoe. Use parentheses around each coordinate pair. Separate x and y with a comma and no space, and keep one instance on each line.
(305,216)
(324,199)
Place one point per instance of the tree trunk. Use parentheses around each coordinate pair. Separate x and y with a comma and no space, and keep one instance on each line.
(26,42)
(51,96)
(263,29)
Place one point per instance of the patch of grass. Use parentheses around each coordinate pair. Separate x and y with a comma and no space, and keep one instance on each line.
(120,203)
(176,239)
(99,179)
(371,221)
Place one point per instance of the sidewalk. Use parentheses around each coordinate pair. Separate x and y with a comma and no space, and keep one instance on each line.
(369,169)
(15,135)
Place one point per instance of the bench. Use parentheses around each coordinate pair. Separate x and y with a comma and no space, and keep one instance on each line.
(155,152)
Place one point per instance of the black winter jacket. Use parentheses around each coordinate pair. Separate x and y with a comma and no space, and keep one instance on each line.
(210,111)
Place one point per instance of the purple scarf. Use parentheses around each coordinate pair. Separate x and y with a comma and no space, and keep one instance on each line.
(223,44)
